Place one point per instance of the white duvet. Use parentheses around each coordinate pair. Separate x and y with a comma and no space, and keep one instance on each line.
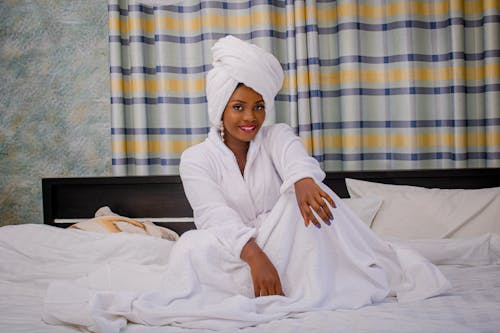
(33,255)
(205,286)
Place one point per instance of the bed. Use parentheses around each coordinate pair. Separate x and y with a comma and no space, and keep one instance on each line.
(447,232)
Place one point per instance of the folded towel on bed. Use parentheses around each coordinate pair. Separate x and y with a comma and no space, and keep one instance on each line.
(105,221)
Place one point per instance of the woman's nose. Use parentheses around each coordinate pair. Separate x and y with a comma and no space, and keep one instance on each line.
(249,115)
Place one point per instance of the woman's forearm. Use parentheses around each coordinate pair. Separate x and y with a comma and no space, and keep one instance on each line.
(266,280)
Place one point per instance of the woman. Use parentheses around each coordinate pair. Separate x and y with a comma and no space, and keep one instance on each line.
(255,257)
(249,186)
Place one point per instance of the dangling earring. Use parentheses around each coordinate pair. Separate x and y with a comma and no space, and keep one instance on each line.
(222,130)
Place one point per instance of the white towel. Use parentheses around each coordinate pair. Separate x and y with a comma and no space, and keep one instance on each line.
(236,61)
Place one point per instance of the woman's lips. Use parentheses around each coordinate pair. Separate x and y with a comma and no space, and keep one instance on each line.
(248,129)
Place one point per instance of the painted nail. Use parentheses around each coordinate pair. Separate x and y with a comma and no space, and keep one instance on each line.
(318,226)
(328,223)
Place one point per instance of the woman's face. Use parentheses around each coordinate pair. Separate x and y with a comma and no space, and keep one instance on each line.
(243,115)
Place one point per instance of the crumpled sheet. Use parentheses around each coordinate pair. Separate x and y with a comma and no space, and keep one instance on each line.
(32,255)
(344,266)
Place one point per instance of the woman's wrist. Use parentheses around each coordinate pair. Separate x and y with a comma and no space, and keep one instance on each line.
(250,251)
(303,181)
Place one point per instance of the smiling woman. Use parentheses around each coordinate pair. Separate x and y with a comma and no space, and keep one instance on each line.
(254,197)
(242,118)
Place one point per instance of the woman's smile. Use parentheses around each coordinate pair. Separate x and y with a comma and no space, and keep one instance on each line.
(248,129)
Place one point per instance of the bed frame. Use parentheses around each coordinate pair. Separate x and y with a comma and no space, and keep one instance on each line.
(161,199)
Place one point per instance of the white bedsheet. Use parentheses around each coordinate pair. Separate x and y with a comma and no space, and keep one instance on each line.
(32,255)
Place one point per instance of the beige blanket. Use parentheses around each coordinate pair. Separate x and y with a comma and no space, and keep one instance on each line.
(105,221)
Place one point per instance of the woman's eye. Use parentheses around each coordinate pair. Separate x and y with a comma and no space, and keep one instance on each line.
(259,107)
(237,107)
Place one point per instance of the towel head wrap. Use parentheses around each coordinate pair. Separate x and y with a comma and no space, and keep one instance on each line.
(236,61)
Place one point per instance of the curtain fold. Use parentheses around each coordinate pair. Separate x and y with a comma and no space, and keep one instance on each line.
(368,84)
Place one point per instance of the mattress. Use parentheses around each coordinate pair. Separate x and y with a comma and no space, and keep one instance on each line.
(32,255)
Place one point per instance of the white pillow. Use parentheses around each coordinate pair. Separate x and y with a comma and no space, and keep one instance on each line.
(365,208)
(412,212)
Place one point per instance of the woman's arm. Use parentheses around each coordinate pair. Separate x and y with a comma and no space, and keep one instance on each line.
(265,277)
(296,167)
(211,211)
(290,158)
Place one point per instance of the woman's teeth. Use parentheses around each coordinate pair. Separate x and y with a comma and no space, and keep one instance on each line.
(247,128)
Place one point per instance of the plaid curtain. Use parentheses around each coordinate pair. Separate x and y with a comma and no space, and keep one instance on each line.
(368,84)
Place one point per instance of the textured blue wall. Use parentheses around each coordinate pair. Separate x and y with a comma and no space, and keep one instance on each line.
(54,99)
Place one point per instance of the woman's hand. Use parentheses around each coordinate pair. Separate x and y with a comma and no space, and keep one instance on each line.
(266,280)
(311,197)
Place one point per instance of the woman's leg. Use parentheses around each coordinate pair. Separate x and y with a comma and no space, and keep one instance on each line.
(345,264)
(329,267)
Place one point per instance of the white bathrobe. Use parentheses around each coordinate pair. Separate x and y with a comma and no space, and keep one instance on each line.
(206,284)
(232,206)
(261,203)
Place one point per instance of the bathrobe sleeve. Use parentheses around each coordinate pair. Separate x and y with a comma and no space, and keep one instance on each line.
(290,158)
(211,211)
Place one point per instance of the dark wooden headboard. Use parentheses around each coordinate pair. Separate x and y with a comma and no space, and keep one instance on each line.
(163,196)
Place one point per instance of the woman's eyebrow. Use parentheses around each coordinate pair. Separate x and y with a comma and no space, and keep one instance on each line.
(245,102)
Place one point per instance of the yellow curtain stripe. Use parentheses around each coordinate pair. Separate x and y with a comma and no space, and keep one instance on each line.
(152,146)
(128,24)
(408,8)
(304,79)
(334,141)
(114,23)
(405,140)
(282,19)
(394,75)
(153,86)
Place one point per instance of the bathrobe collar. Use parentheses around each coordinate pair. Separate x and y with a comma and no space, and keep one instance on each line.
(215,138)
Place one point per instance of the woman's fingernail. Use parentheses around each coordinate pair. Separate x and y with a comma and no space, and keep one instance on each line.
(331,219)
(328,223)
(318,226)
